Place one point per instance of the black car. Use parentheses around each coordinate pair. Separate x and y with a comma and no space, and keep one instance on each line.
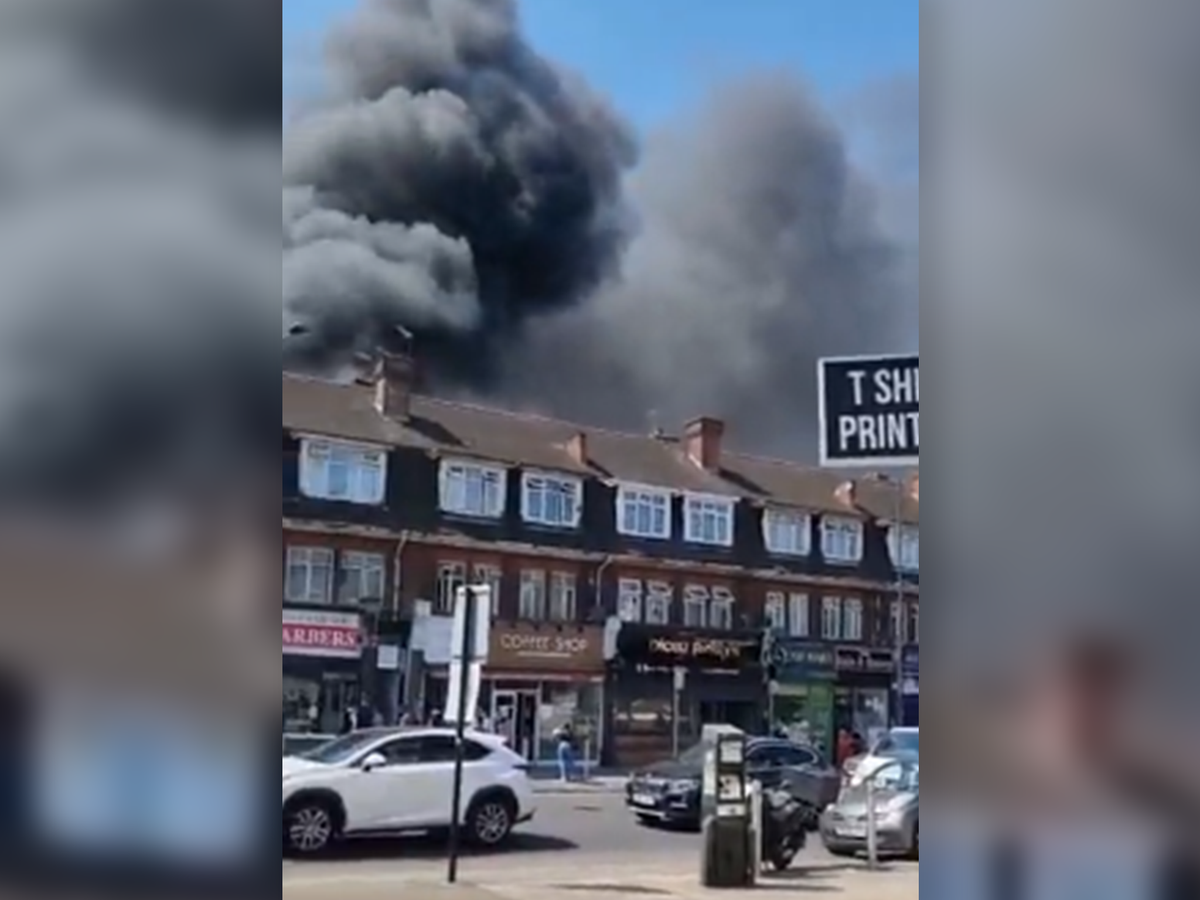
(669,793)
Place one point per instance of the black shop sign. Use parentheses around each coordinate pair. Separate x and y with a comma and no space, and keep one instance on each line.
(694,650)
(870,411)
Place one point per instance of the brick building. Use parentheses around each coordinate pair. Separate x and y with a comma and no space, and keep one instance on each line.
(624,567)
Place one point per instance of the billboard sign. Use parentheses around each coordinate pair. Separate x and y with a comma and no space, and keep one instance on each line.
(870,411)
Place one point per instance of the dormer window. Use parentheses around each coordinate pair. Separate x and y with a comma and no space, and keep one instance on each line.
(644,513)
(342,473)
(473,490)
(551,501)
(905,545)
(709,521)
(842,541)
(788,532)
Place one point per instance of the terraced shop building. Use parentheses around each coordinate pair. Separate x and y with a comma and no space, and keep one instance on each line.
(577,530)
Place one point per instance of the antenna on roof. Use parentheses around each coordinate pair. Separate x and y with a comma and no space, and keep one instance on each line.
(656,429)
(398,340)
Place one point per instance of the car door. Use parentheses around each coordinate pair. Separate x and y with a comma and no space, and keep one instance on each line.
(376,800)
(432,780)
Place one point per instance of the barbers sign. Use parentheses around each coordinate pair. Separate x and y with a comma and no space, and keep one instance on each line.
(870,411)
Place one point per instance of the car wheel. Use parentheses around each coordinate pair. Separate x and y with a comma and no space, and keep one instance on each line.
(309,829)
(490,821)
(914,851)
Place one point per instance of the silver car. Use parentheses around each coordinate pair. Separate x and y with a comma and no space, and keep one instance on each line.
(897,796)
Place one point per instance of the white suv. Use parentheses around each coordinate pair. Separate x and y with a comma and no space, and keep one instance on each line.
(384,782)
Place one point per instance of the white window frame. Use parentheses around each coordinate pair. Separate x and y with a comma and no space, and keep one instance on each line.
(563,602)
(709,521)
(455,489)
(629,601)
(535,596)
(370,570)
(799,614)
(561,490)
(775,613)
(656,502)
(310,559)
(842,541)
(695,606)
(854,618)
(788,532)
(722,610)
(363,483)
(831,618)
(659,602)
(451,577)
(492,577)
(907,556)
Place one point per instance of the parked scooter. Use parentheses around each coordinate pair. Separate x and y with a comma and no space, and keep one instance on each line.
(786,823)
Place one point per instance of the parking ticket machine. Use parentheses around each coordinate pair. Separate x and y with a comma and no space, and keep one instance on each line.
(728,860)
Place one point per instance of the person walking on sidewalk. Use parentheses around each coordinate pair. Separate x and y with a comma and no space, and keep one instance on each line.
(565,737)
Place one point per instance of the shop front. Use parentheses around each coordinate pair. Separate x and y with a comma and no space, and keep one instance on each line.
(538,679)
(803,692)
(910,679)
(665,684)
(322,669)
(863,694)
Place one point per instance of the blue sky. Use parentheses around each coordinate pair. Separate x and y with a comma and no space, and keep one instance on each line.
(655,58)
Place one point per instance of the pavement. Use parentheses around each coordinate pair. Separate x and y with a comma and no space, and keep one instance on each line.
(584,846)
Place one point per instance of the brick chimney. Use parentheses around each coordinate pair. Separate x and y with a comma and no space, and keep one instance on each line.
(847,494)
(702,441)
(577,448)
(394,378)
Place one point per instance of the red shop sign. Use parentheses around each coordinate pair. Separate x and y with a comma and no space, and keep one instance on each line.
(322,634)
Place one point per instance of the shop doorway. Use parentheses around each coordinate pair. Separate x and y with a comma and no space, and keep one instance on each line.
(515,714)
(339,694)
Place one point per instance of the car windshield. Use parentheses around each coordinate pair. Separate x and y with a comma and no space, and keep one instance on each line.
(896,778)
(341,750)
(899,743)
(694,756)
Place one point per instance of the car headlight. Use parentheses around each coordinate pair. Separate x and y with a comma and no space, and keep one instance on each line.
(682,787)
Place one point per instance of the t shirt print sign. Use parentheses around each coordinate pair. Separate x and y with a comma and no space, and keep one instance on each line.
(870,411)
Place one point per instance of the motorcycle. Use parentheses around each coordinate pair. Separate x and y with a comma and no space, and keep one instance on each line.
(787,821)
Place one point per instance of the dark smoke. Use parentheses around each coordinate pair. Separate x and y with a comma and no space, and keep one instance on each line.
(138,143)
(457,184)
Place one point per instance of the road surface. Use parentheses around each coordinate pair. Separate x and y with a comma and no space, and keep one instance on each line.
(576,837)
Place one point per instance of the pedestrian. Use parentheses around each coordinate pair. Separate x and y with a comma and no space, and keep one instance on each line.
(565,737)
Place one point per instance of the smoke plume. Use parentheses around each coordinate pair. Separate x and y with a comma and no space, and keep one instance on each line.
(138,143)
(454,182)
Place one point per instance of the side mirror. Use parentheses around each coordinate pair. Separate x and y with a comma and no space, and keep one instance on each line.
(373,762)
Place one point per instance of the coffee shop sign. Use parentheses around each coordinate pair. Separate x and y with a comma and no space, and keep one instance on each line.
(544,646)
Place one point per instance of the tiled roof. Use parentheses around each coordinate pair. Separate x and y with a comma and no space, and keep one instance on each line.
(449,429)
